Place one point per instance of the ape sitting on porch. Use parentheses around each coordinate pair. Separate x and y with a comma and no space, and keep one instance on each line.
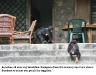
(73,49)
(43,35)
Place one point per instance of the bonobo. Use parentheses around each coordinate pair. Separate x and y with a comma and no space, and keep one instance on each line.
(73,49)
(44,35)
(48,35)
(38,35)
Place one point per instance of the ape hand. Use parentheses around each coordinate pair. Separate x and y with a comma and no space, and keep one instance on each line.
(45,41)
(52,41)
(72,52)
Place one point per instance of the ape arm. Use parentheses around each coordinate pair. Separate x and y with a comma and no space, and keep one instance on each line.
(76,47)
(69,47)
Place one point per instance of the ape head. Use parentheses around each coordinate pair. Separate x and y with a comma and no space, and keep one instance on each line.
(50,28)
(73,42)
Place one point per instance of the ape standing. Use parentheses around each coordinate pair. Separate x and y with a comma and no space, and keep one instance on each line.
(73,49)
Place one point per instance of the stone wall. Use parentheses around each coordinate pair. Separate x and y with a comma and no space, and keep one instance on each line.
(63,12)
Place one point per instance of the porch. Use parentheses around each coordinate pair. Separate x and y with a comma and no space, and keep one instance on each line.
(61,12)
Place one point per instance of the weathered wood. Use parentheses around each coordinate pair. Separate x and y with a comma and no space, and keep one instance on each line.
(7,24)
(82,9)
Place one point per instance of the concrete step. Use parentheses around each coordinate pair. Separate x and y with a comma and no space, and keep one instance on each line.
(45,53)
(6,53)
(56,46)
(47,60)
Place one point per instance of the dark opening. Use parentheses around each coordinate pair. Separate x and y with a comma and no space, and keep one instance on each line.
(42,11)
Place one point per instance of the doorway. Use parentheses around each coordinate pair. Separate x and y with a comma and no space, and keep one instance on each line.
(42,11)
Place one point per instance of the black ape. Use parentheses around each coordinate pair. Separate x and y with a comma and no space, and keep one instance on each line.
(73,49)
(43,35)
(48,35)
(38,35)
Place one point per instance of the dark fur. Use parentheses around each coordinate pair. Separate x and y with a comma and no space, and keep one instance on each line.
(44,35)
(73,47)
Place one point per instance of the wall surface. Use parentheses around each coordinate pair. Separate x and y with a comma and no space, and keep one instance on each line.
(63,12)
